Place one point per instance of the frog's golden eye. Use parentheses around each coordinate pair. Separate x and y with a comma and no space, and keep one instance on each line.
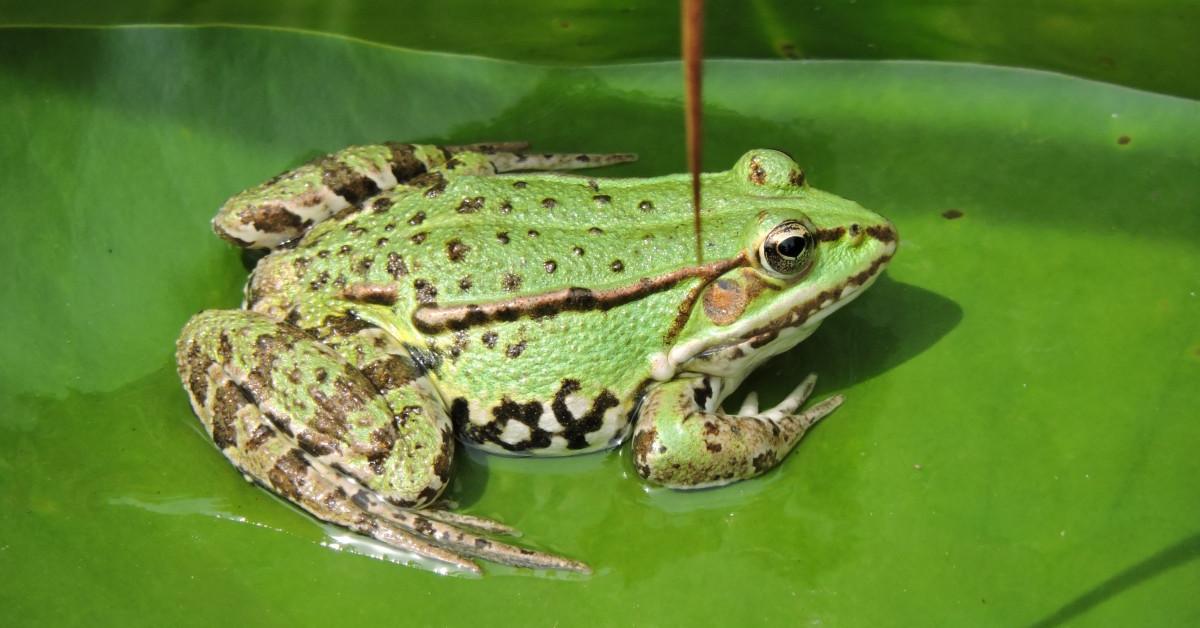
(788,249)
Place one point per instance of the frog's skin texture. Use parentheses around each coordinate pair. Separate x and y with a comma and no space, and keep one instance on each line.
(414,293)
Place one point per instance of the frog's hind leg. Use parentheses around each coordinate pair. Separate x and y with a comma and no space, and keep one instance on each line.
(286,206)
(297,417)
(683,440)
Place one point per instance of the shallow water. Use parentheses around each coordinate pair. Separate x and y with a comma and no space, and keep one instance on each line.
(1018,442)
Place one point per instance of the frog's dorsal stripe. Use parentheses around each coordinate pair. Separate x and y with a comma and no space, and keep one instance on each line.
(432,319)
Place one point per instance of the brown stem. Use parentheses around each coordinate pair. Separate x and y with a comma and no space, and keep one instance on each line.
(693,59)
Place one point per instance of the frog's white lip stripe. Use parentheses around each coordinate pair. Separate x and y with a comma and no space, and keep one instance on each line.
(808,307)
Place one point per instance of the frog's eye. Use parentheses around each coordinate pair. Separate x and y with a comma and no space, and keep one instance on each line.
(788,249)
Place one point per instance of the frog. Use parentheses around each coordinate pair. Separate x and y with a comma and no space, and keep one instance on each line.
(410,298)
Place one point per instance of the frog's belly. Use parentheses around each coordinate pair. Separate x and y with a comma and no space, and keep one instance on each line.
(567,426)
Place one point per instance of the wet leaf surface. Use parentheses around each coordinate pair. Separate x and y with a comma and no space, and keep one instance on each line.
(1018,444)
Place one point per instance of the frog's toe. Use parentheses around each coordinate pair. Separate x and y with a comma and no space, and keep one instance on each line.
(443,513)
(458,533)
(514,161)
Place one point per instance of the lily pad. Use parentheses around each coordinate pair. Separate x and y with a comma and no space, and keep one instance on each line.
(1018,445)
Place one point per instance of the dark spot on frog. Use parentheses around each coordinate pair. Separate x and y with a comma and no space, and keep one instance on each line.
(381,204)
(712,447)
(645,206)
(396,266)
(595,185)
(391,226)
(345,325)
(881,233)
(796,178)
(381,242)
(830,235)
(550,265)
(506,207)
(283,424)
(315,444)
(364,265)
(374,293)
(417,219)
(489,339)
(321,374)
(519,184)
(502,237)
(577,251)
(465,283)
(434,180)
(287,476)
(515,351)
(259,437)
(390,372)
(602,199)
(300,264)
(702,394)
(1124,139)
(758,174)
(461,342)
(952,214)
(197,369)
(418,238)
(855,229)
(617,266)
(426,292)
(533,233)
(643,446)
(575,429)
(549,203)
(764,461)
(345,182)
(596,231)
(510,282)
(425,360)
(271,219)
(354,228)
(228,400)
(323,253)
(320,281)
(456,250)
(470,205)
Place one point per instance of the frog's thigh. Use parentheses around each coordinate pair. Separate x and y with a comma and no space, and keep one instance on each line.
(328,411)
(682,441)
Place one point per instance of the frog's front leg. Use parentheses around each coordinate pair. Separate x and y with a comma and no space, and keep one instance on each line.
(297,417)
(284,207)
(684,440)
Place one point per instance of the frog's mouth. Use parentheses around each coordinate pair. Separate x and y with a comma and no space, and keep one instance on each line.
(745,344)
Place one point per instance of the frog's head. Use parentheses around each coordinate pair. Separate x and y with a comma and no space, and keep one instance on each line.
(802,255)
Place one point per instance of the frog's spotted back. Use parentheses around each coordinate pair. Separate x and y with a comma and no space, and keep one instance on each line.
(284,207)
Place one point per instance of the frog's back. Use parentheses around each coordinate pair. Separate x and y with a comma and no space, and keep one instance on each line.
(577,280)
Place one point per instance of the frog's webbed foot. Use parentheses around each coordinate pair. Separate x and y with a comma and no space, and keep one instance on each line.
(295,416)
(683,440)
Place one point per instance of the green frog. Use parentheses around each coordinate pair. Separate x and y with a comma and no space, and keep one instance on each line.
(415,295)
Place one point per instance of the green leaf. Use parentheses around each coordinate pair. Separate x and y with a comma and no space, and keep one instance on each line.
(1149,44)
(1019,440)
